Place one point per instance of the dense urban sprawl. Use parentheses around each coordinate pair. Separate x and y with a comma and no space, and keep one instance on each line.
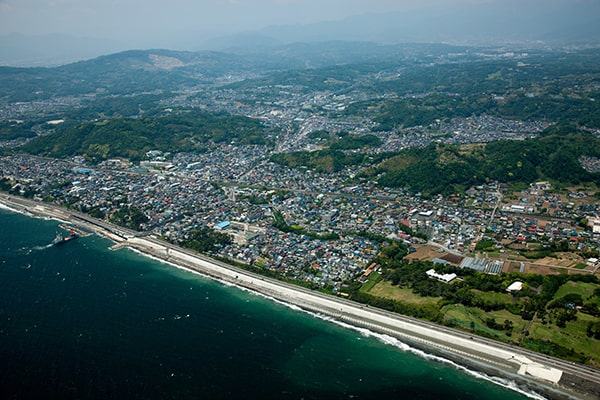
(237,190)
(340,217)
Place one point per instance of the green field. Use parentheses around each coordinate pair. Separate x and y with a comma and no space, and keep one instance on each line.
(493,296)
(374,279)
(571,337)
(585,290)
(473,319)
(570,342)
(386,290)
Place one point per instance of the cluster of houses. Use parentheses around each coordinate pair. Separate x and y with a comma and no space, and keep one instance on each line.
(237,190)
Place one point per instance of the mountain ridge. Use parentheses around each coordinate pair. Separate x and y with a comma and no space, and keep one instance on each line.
(546,24)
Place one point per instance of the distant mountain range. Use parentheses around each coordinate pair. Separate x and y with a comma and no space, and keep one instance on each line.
(535,22)
(144,71)
(540,23)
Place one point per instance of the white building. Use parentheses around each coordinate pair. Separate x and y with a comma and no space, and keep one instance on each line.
(515,287)
(443,278)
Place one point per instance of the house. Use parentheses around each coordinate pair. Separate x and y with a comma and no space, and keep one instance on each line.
(516,208)
(515,287)
(441,277)
(222,225)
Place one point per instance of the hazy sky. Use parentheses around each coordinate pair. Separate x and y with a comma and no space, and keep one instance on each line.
(158,22)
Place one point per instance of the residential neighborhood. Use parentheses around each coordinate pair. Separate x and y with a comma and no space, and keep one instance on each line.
(236,190)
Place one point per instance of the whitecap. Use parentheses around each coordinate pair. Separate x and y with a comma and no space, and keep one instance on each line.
(387,339)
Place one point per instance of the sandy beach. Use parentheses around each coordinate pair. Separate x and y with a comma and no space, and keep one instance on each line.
(549,376)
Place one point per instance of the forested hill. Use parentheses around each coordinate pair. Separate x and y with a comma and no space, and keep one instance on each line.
(447,168)
(141,71)
(540,87)
(440,168)
(123,73)
(183,130)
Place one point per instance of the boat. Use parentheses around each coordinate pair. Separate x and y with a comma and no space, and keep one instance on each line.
(60,239)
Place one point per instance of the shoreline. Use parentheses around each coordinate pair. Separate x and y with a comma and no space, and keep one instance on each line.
(550,377)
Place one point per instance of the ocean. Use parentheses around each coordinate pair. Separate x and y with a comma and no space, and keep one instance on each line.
(79,321)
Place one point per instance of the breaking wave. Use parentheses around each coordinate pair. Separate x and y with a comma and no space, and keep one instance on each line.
(386,339)
(392,341)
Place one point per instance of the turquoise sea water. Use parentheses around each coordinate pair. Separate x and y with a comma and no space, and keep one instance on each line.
(79,321)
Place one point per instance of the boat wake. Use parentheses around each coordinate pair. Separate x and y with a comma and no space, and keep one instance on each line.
(27,250)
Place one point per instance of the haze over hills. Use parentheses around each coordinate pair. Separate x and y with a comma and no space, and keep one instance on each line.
(547,24)
(136,71)
(534,23)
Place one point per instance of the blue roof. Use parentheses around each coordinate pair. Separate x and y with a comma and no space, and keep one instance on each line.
(223,224)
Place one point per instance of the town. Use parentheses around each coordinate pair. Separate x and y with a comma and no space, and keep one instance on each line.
(236,190)
(300,199)
(337,221)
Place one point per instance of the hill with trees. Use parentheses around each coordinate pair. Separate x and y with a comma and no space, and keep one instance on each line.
(544,87)
(441,168)
(182,130)
(448,168)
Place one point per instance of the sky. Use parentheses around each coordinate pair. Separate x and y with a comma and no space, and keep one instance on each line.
(143,23)
(53,32)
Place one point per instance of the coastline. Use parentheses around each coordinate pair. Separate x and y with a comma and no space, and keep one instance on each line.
(551,377)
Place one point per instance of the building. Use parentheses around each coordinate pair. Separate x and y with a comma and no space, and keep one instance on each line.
(222,225)
(447,278)
(515,287)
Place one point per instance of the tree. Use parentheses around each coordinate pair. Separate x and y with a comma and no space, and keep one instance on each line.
(205,240)
(129,217)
